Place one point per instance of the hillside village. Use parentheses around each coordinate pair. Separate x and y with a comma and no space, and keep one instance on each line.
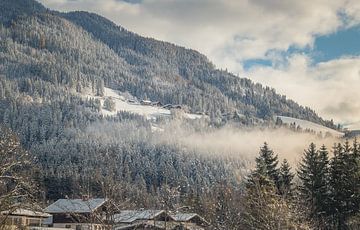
(99,214)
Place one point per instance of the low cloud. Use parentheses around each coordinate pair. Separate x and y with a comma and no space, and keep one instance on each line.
(330,87)
(245,144)
(343,108)
(225,142)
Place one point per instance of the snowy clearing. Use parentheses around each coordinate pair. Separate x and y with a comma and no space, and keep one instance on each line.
(310,125)
(125,104)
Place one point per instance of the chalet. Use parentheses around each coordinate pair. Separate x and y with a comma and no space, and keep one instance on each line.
(177,107)
(79,214)
(191,221)
(132,101)
(167,106)
(170,106)
(23,219)
(158,220)
(141,219)
(145,102)
(156,103)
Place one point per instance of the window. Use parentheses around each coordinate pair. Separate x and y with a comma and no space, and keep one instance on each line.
(68,226)
(17,221)
(34,222)
(78,227)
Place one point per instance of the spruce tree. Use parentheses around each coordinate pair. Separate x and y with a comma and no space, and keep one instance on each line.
(286,177)
(109,104)
(266,163)
(263,206)
(323,180)
(313,177)
(337,183)
(344,184)
(259,177)
(356,174)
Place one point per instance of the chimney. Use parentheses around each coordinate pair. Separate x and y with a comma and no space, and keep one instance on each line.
(85,197)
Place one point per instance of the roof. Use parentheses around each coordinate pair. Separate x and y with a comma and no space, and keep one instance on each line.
(183,217)
(47,228)
(130,216)
(75,205)
(150,224)
(26,212)
(187,217)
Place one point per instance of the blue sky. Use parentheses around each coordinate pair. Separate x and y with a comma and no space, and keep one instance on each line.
(345,42)
(307,50)
(342,43)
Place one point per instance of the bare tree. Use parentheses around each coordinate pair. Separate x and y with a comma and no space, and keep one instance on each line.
(16,188)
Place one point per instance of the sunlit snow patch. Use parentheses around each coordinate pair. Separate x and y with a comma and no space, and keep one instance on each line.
(124,103)
(311,126)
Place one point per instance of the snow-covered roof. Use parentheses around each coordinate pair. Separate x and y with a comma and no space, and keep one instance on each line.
(189,217)
(183,217)
(47,228)
(130,216)
(75,205)
(26,212)
(150,224)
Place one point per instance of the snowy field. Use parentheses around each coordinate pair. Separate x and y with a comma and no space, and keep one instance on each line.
(310,125)
(123,104)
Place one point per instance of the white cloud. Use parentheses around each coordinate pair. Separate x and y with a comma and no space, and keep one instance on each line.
(248,29)
(331,87)
(231,31)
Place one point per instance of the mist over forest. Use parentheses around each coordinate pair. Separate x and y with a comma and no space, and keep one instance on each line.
(90,109)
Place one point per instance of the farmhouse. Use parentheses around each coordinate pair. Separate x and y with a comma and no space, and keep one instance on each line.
(157,220)
(140,219)
(22,218)
(145,102)
(191,221)
(79,214)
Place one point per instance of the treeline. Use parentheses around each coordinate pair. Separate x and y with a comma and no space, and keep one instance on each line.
(321,193)
(325,194)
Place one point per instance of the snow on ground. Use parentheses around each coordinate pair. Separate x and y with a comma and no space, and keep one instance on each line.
(310,125)
(123,104)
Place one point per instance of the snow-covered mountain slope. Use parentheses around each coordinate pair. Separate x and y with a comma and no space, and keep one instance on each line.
(310,125)
(125,102)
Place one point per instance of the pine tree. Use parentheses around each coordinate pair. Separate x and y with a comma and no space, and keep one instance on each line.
(100,88)
(356,174)
(286,177)
(109,104)
(313,175)
(266,164)
(260,177)
(323,179)
(263,206)
(344,184)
